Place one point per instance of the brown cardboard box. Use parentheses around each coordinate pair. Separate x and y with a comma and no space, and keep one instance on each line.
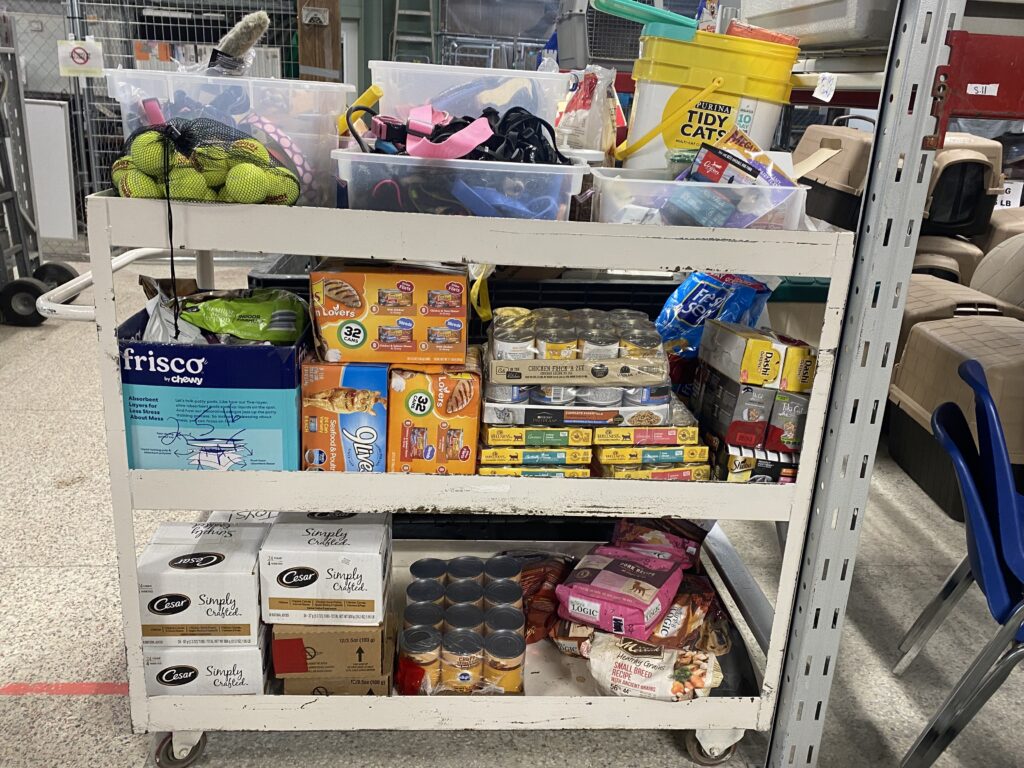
(319,653)
(338,686)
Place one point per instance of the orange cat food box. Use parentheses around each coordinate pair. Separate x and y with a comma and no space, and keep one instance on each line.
(344,417)
(434,418)
(390,315)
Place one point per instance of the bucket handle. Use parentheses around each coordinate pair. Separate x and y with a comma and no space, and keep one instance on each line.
(622,151)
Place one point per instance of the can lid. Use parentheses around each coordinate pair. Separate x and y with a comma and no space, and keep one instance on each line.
(428,568)
(600,336)
(505,617)
(464,591)
(503,591)
(464,616)
(419,640)
(463,641)
(505,644)
(502,567)
(513,332)
(465,567)
(427,614)
(424,591)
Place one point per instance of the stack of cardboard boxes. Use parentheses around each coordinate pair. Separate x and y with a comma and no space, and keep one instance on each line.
(200,610)
(751,398)
(421,414)
(324,587)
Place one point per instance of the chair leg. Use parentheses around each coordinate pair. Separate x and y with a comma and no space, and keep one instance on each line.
(933,615)
(988,686)
(963,692)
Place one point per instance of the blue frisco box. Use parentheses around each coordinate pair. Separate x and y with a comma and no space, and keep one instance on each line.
(209,407)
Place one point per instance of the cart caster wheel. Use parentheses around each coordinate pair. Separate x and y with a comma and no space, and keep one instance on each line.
(165,753)
(18,301)
(697,754)
(55,273)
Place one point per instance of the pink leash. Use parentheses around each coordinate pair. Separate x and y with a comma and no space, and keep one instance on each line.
(421,124)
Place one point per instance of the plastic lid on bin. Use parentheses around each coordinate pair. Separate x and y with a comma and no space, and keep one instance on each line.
(643,14)
(675,32)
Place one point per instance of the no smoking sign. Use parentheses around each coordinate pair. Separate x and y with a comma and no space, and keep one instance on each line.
(80,58)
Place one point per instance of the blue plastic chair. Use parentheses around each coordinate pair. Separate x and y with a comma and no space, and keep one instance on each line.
(991,506)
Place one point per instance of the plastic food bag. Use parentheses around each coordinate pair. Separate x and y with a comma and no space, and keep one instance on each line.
(542,573)
(259,314)
(668,539)
(625,667)
(684,625)
(587,122)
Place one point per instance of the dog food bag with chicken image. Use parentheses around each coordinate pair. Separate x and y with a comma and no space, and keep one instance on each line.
(344,417)
(434,418)
(624,667)
(619,590)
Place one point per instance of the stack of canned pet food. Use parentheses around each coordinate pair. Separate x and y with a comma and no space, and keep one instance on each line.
(574,368)
(464,627)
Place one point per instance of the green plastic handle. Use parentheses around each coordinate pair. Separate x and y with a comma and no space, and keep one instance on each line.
(644,14)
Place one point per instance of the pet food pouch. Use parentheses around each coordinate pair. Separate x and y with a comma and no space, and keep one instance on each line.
(571,638)
(619,590)
(624,667)
(542,572)
(682,626)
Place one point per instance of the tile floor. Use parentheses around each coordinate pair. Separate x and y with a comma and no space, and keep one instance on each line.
(60,621)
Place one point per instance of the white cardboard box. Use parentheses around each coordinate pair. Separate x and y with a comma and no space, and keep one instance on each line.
(326,571)
(205,671)
(262,516)
(199,585)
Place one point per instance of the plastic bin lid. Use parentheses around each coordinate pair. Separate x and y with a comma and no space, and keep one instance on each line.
(675,32)
(643,14)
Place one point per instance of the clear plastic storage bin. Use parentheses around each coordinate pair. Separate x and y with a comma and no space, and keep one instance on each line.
(295,119)
(465,91)
(376,182)
(624,196)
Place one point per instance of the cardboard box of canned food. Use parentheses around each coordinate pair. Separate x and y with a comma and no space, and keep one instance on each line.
(359,685)
(530,415)
(533,437)
(646,436)
(736,464)
(609,372)
(322,652)
(673,454)
(535,456)
(565,470)
(686,473)
(205,671)
(758,356)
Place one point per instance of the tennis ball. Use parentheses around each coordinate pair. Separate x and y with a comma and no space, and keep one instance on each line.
(147,150)
(120,167)
(223,196)
(247,184)
(186,184)
(138,184)
(249,151)
(284,187)
(212,163)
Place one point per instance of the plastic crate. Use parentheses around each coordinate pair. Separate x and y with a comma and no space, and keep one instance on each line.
(623,196)
(816,23)
(465,91)
(376,182)
(298,117)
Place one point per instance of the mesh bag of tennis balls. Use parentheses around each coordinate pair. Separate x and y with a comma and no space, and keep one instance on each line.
(203,160)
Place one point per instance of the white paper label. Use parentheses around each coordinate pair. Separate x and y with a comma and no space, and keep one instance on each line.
(826,87)
(983,89)
(80,58)
(1011,195)
(315,16)
(585,609)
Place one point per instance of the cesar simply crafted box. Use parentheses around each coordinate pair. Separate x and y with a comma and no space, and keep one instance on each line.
(390,315)
(325,571)
(205,671)
(344,417)
(213,406)
(434,418)
(198,585)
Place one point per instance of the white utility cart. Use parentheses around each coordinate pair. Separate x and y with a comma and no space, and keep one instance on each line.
(559,691)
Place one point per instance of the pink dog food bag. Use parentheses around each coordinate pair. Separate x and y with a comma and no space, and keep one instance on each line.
(667,539)
(619,590)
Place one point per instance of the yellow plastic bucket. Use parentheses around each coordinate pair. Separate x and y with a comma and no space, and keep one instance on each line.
(691,93)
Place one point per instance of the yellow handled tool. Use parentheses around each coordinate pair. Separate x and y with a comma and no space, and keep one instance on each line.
(367,98)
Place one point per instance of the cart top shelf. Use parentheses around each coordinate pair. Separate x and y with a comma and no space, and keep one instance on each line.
(457,239)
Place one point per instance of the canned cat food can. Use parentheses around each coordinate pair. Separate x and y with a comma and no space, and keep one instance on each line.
(547,394)
(466,567)
(506,393)
(617,315)
(640,342)
(550,312)
(505,618)
(421,646)
(423,615)
(603,397)
(429,568)
(587,315)
(504,654)
(556,342)
(464,616)
(425,591)
(660,395)
(502,314)
(462,660)
(464,591)
(503,592)
(598,343)
(513,342)
(503,567)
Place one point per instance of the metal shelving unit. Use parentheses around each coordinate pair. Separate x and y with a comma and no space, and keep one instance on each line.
(555,696)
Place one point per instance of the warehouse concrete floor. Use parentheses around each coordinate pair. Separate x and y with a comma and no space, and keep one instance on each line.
(62,700)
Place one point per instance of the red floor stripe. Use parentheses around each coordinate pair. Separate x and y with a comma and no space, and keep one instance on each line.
(64,689)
